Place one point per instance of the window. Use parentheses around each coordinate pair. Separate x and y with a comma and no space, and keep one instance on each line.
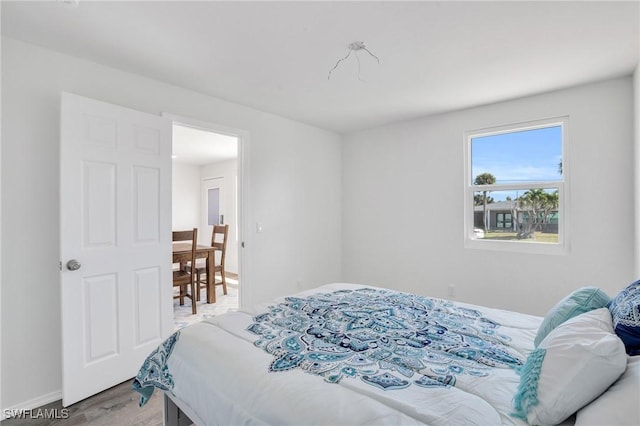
(515,181)
(504,221)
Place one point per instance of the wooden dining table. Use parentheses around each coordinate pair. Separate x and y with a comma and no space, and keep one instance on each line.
(182,255)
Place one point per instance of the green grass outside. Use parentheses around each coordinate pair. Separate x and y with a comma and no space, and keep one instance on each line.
(538,237)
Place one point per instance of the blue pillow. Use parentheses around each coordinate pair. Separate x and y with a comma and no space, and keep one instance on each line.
(625,311)
(583,300)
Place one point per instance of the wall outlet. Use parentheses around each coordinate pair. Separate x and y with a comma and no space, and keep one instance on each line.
(451,291)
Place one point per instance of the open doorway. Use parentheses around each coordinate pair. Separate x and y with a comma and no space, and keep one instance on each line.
(205,192)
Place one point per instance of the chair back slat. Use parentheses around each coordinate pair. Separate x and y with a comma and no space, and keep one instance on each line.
(190,235)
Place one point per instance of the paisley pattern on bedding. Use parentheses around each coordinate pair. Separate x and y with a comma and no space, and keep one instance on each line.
(383,337)
(625,311)
(154,372)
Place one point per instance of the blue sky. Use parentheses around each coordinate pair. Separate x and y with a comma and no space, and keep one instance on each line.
(517,157)
(530,155)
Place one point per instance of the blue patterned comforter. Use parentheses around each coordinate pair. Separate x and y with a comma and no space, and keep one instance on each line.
(388,339)
(389,358)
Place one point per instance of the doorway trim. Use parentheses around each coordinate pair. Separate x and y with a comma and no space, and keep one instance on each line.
(244,272)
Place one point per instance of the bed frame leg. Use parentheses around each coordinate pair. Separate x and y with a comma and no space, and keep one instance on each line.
(173,416)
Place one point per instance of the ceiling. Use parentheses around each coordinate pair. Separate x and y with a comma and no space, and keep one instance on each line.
(276,56)
(200,147)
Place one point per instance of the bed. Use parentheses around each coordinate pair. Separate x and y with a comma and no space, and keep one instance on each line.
(348,354)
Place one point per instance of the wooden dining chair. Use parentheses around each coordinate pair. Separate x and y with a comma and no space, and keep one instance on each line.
(185,277)
(219,241)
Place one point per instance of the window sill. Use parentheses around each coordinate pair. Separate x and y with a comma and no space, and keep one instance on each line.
(528,247)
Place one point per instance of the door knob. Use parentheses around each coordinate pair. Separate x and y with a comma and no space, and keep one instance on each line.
(73,265)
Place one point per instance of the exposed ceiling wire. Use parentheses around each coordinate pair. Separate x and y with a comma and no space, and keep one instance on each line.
(353,47)
(71,4)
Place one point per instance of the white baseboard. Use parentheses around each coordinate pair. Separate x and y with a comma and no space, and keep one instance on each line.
(33,403)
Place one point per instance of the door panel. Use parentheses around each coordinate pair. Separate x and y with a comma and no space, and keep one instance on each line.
(100,317)
(99,204)
(115,183)
(146,199)
(147,305)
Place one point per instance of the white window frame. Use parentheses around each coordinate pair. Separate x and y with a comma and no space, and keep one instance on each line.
(470,241)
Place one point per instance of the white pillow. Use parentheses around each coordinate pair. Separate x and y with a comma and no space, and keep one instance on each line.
(575,363)
(620,404)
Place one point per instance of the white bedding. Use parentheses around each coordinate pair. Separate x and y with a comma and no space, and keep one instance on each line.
(218,372)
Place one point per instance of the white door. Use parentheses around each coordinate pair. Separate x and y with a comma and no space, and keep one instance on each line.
(115,242)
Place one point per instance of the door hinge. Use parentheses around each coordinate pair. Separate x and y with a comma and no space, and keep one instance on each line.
(60,266)
(242,244)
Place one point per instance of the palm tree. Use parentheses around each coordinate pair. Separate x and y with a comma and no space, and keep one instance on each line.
(551,203)
(538,205)
(485,179)
(478,200)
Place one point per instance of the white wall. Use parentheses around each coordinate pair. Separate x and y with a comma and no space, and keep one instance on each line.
(185,196)
(228,170)
(403,199)
(295,187)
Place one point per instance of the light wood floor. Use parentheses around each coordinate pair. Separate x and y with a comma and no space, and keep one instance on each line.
(117,406)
